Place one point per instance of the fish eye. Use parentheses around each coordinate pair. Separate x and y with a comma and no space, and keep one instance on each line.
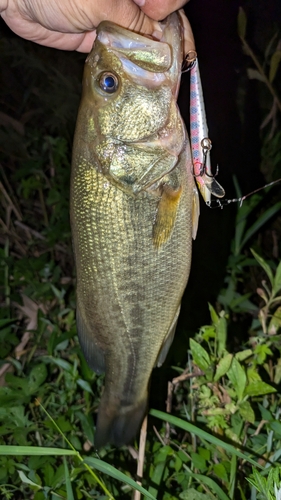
(108,82)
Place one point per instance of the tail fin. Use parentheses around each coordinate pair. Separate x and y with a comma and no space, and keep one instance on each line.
(118,425)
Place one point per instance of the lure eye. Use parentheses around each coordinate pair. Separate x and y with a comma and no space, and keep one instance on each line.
(108,82)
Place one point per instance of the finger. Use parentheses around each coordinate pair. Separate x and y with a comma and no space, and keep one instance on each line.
(81,42)
(128,15)
(67,17)
(159,9)
(75,30)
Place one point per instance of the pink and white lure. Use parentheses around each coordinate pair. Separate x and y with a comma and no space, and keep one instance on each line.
(200,142)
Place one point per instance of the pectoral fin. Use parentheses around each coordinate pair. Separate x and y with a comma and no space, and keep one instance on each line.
(166,214)
(168,340)
(93,354)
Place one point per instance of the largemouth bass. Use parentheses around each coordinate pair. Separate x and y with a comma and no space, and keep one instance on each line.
(132,213)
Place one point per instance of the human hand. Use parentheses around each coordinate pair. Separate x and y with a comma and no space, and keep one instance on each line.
(70,24)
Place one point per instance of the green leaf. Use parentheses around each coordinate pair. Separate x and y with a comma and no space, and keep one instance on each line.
(277,375)
(254,74)
(49,473)
(237,376)
(192,494)
(261,352)
(36,378)
(198,462)
(62,422)
(87,424)
(223,366)
(277,279)
(275,322)
(200,356)
(59,476)
(219,470)
(203,452)
(264,265)
(274,63)
(252,374)
(241,355)
(242,23)
(214,316)
(275,426)
(210,438)
(156,477)
(5,322)
(208,332)
(116,474)
(210,483)
(247,412)
(258,481)
(84,385)
(221,329)
(64,365)
(26,480)
(265,414)
(258,388)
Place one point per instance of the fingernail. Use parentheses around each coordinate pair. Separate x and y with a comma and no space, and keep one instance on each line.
(140,3)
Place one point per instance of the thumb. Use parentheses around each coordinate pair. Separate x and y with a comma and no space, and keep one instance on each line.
(159,9)
(128,15)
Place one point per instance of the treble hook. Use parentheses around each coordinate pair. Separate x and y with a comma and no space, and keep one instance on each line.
(189,61)
(206,145)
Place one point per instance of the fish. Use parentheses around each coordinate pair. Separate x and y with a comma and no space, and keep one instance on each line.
(201,145)
(133,210)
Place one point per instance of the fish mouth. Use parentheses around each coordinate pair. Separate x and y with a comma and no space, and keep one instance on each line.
(140,54)
(137,48)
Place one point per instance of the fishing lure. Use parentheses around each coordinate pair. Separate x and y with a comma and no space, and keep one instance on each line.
(200,143)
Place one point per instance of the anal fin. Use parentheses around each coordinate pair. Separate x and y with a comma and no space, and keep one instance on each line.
(93,354)
(168,340)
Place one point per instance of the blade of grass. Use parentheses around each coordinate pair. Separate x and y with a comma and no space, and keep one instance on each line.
(34,450)
(186,426)
(68,485)
(97,479)
(116,474)
(233,476)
